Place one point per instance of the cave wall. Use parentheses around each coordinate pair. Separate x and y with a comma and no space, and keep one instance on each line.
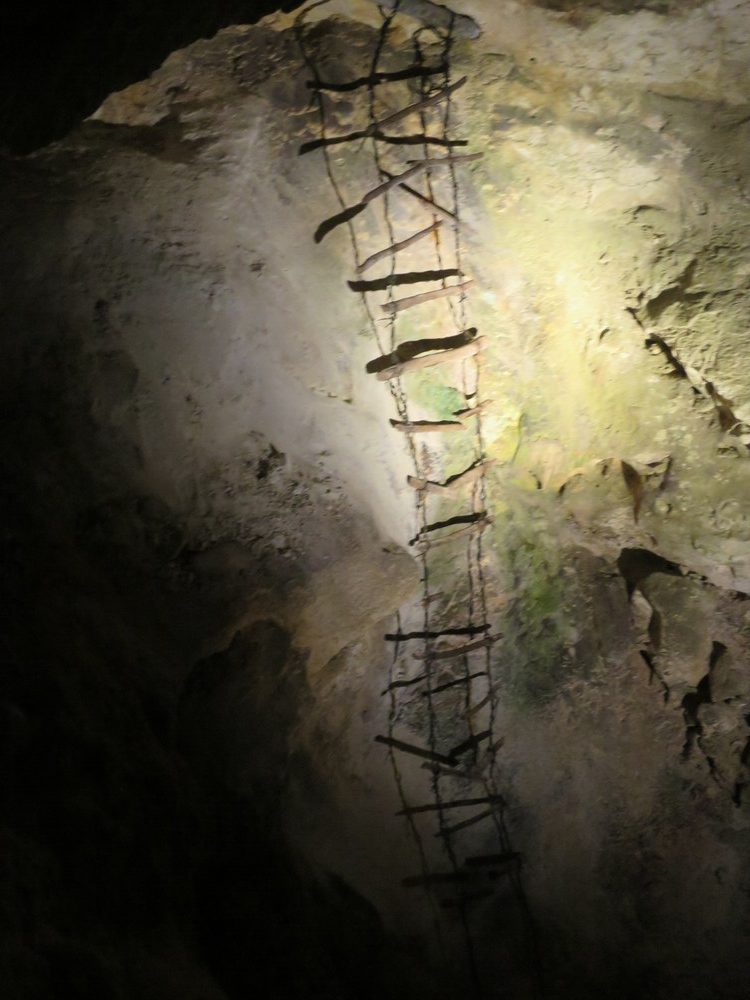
(207,520)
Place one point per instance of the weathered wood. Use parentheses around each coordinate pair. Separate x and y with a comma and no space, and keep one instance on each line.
(394,248)
(484,701)
(427,426)
(446,161)
(453,804)
(391,308)
(374,79)
(398,278)
(419,139)
(469,475)
(472,411)
(414,750)
(423,544)
(449,654)
(469,744)
(435,634)
(425,102)
(427,202)
(434,878)
(404,683)
(432,360)
(416,348)
(456,682)
(386,186)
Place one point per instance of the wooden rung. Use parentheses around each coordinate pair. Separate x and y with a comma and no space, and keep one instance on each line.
(467,897)
(427,202)
(492,860)
(426,102)
(472,411)
(470,475)
(453,804)
(449,654)
(477,527)
(485,701)
(432,360)
(451,522)
(398,279)
(395,248)
(426,426)
(456,682)
(377,78)
(446,161)
(402,684)
(392,181)
(469,744)
(393,140)
(447,831)
(434,878)
(436,633)
(410,349)
(415,751)
(391,308)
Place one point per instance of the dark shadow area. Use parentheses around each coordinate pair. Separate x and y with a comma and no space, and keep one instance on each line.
(60,61)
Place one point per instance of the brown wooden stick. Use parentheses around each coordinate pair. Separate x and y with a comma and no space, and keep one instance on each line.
(484,701)
(469,744)
(417,348)
(469,475)
(469,647)
(472,411)
(430,360)
(455,682)
(391,308)
(395,248)
(426,426)
(426,102)
(445,161)
(409,682)
(422,545)
(381,189)
(455,804)
(439,758)
(432,205)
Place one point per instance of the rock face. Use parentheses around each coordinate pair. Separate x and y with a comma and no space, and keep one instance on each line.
(207,520)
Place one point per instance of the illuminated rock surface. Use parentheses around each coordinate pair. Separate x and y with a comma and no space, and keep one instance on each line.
(207,519)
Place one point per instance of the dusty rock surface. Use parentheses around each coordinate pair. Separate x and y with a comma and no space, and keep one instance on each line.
(208,520)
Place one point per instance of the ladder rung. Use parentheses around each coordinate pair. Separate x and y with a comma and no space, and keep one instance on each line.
(453,804)
(416,751)
(470,743)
